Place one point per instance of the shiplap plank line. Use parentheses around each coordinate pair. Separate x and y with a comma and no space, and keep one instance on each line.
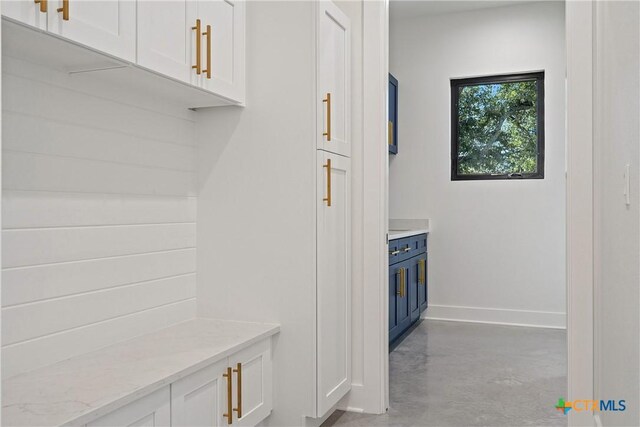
(24,285)
(79,310)
(22,95)
(43,351)
(46,246)
(30,134)
(26,171)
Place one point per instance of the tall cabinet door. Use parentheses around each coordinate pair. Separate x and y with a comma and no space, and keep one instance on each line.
(105,25)
(201,398)
(166,37)
(334,71)
(333,279)
(223,40)
(26,11)
(395,291)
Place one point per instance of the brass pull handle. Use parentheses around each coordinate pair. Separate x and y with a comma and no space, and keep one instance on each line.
(328,198)
(421,271)
(208,34)
(399,291)
(229,414)
(238,371)
(403,280)
(64,9)
(328,132)
(394,252)
(43,5)
(390,128)
(198,66)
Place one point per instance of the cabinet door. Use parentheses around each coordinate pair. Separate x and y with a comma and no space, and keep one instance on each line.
(402,301)
(394,294)
(225,53)
(334,75)
(252,388)
(422,282)
(201,399)
(412,288)
(105,25)
(165,37)
(393,115)
(333,284)
(150,411)
(26,11)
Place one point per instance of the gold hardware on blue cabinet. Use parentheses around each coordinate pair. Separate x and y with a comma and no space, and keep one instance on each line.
(198,66)
(328,132)
(328,198)
(238,371)
(64,9)
(208,34)
(229,414)
(390,129)
(402,291)
(422,277)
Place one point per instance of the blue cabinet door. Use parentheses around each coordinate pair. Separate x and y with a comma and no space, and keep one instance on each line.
(413,276)
(422,282)
(394,290)
(393,115)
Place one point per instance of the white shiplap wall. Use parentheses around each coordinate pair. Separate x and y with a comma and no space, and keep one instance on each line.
(98,215)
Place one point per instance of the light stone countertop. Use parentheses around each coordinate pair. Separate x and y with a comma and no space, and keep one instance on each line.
(400,234)
(84,388)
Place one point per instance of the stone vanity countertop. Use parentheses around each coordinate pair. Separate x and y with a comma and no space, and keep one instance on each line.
(400,234)
(84,388)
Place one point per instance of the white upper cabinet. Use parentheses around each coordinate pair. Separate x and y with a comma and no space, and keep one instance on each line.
(334,71)
(333,222)
(166,37)
(27,11)
(108,26)
(222,47)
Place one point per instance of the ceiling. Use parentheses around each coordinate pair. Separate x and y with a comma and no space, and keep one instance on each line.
(401,9)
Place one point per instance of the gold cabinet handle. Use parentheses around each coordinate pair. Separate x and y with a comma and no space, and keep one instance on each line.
(390,129)
(208,34)
(229,414)
(419,272)
(401,291)
(328,132)
(238,371)
(64,9)
(328,198)
(43,5)
(198,66)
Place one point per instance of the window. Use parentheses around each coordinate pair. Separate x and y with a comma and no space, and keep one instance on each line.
(497,127)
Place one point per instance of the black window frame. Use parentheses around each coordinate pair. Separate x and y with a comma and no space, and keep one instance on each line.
(456,84)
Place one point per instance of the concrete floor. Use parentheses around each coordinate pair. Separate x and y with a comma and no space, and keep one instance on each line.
(466,374)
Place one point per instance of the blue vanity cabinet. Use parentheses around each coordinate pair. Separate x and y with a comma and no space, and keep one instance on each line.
(407,282)
(393,115)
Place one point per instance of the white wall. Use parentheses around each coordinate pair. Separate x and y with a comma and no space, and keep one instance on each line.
(98,216)
(617,226)
(497,248)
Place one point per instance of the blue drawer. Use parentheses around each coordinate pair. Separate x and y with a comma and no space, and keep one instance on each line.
(408,247)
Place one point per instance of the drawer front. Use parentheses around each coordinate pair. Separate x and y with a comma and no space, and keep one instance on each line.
(395,253)
(408,247)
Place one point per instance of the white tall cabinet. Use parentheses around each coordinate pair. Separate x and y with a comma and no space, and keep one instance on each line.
(333,218)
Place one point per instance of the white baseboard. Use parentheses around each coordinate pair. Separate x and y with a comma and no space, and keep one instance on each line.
(501,316)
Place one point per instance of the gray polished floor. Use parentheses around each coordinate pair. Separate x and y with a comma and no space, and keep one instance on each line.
(466,374)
